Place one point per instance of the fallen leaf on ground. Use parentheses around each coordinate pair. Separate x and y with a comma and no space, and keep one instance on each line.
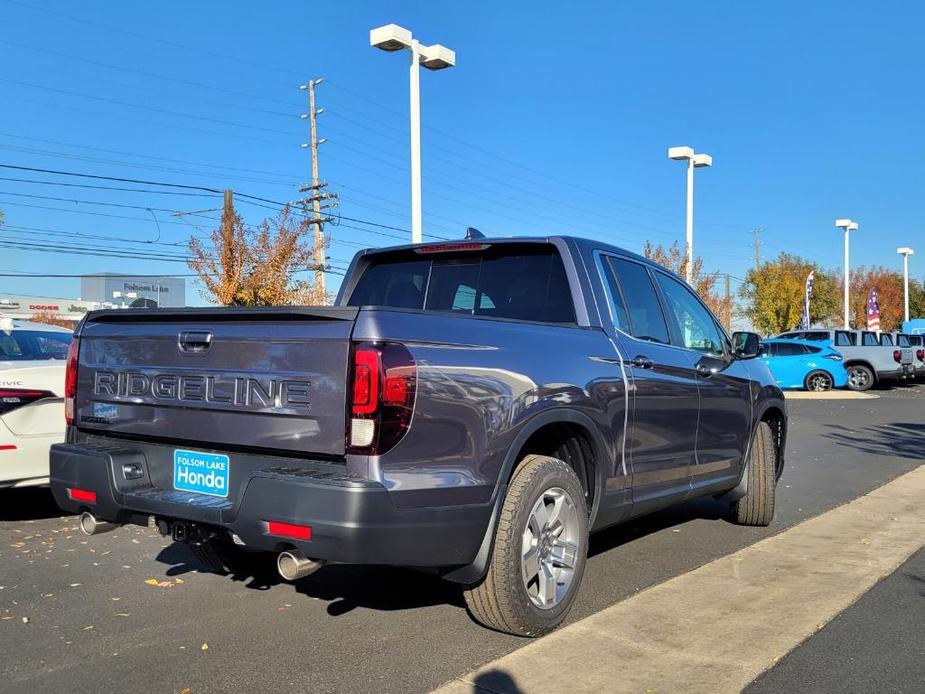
(123,614)
(89,627)
(204,647)
(151,581)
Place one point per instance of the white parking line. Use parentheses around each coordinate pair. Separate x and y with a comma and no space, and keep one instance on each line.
(715,629)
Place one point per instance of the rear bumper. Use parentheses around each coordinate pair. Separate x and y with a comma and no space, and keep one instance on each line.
(352,520)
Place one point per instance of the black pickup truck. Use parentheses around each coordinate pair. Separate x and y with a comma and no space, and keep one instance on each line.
(473,408)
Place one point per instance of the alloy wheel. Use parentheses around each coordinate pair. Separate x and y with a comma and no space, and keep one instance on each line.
(820,382)
(550,548)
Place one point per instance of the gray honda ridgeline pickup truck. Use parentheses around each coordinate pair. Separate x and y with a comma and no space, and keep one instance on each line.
(471,408)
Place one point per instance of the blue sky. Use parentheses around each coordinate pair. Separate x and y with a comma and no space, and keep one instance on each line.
(553,121)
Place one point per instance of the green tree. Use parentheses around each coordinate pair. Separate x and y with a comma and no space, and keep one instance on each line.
(773,294)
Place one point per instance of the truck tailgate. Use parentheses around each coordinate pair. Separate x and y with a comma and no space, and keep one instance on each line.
(271,379)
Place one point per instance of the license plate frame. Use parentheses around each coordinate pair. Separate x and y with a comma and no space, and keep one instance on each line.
(201,473)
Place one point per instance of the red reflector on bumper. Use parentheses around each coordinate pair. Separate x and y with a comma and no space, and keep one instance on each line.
(82,495)
(296,532)
(7,448)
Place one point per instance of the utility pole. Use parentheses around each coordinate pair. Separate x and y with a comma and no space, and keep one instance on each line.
(757,235)
(316,195)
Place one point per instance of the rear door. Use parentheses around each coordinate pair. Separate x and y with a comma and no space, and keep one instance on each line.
(665,399)
(724,425)
(219,379)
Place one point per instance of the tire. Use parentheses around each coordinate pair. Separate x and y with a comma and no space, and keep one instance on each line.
(818,381)
(757,506)
(505,599)
(860,377)
(221,556)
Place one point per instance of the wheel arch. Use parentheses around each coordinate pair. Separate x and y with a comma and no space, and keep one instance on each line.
(593,469)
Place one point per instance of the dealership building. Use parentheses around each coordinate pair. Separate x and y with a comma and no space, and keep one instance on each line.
(102,290)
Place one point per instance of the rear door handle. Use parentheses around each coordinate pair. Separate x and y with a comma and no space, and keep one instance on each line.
(641,362)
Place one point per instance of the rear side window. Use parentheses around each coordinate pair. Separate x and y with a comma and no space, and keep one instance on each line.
(789,350)
(630,283)
(816,336)
(886,340)
(869,340)
(507,281)
(811,350)
(33,345)
(843,339)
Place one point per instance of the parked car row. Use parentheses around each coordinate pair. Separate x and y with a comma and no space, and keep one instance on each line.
(32,359)
(868,358)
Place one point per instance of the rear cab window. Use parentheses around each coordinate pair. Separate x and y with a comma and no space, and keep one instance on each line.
(844,339)
(512,281)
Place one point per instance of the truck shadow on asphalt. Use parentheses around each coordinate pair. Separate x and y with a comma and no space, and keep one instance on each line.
(343,587)
(385,588)
(897,439)
(28,503)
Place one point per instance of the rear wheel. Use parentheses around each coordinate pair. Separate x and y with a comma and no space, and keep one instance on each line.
(818,381)
(539,553)
(860,377)
(757,506)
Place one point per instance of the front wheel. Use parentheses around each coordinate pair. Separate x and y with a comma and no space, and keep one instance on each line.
(539,553)
(860,377)
(757,506)
(818,381)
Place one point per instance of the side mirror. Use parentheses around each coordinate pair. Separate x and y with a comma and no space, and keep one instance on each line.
(746,345)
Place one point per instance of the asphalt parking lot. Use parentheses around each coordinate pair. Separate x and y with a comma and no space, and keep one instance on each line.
(130,611)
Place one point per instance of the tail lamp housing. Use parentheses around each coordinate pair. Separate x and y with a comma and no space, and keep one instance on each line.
(383,385)
(920,354)
(70,380)
(14,398)
(897,356)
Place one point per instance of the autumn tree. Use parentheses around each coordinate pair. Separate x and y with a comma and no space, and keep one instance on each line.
(889,287)
(773,294)
(243,266)
(51,318)
(703,283)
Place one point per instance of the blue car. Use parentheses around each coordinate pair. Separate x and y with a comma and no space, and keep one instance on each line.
(803,364)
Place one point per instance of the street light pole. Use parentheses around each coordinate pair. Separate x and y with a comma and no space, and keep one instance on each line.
(415,81)
(905,253)
(847,225)
(392,37)
(694,161)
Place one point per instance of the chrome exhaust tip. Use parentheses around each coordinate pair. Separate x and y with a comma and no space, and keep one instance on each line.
(293,565)
(89,525)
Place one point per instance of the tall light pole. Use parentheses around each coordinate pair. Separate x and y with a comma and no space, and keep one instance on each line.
(847,225)
(905,253)
(694,161)
(392,37)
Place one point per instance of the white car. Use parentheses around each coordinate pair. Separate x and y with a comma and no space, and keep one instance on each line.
(32,360)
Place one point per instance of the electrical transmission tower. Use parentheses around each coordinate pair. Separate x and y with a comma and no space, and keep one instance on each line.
(319,199)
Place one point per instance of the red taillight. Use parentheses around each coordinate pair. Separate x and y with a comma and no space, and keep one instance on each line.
(296,532)
(13,398)
(384,385)
(70,380)
(84,495)
(897,356)
(366,367)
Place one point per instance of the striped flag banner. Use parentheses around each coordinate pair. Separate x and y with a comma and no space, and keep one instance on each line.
(807,295)
(873,310)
